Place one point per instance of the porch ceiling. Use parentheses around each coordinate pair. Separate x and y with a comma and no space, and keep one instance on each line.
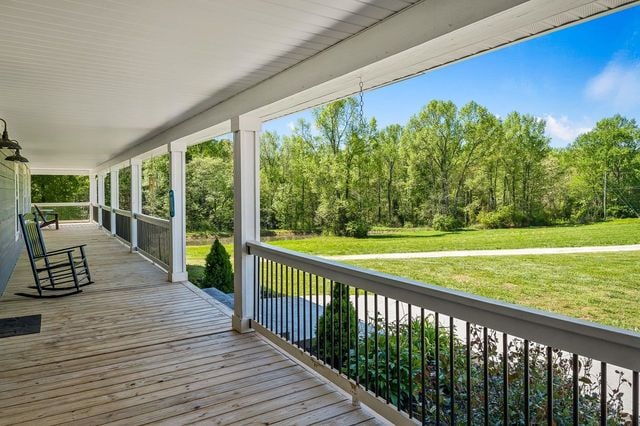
(88,84)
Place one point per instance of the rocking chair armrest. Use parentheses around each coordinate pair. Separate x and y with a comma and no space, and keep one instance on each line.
(55,253)
(66,249)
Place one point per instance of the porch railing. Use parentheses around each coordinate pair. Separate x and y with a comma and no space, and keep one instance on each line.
(123,224)
(439,356)
(154,238)
(72,211)
(95,210)
(106,217)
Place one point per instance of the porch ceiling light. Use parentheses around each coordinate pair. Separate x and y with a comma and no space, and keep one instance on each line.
(17,157)
(5,142)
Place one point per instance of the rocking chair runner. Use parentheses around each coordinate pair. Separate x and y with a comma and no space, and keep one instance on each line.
(52,268)
(45,217)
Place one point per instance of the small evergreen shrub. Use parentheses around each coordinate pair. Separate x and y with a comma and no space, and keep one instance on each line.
(329,325)
(218,272)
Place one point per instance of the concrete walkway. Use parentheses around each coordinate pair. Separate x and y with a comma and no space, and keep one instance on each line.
(506,252)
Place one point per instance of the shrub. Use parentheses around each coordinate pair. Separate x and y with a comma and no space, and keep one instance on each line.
(340,307)
(357,229)
(504,217)
(218,272)
(411,376)
(443,222)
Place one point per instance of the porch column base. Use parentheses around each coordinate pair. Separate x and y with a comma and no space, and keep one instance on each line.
(241,325)
(176,277)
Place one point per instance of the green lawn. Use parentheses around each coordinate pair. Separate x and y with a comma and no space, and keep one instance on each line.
(625,231)
(604,287)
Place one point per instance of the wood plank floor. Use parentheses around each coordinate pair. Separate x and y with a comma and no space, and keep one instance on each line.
(135,349)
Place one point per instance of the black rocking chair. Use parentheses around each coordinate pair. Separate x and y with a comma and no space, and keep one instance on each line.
(56,267)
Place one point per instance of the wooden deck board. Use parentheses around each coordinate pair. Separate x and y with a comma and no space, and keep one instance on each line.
(135,349)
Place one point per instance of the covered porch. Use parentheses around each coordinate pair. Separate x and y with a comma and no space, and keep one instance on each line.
(135,349)
(143,345)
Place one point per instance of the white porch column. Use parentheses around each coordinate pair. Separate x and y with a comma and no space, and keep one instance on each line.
(115,197)
(93,196)
(136,199)
(100,191)
(246,214)
(177,167)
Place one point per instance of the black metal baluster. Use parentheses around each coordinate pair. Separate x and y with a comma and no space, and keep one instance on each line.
(333,325)
(485,385)
(386,344)
(304,311)
(317,317)
(279,296)
(366,341)
(468,366)
(635,399)
(549,386)
(271,295)
(262,293)
(256,273)
(576,390)
(437,360)
(603,393)
(288,299)
(282,301)
(357,338)
(340,324)
(298,305)
(451,371)
(409,337)
(505,377)
(375,343)
(422,369)
(348,335)
(398,354)
(324,319)
(527,413)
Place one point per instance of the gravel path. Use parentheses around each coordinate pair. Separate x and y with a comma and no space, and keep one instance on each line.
(506,252)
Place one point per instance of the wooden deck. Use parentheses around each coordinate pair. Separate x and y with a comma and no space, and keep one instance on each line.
(135,349)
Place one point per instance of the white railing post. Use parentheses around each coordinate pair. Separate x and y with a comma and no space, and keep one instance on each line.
(177,167)
(136,199)
(93,196)
(246,219)
(100,191)
(115,197)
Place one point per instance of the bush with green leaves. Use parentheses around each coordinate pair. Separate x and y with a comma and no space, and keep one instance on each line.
(357,229)
(218,272)
(399,375)
(442,222)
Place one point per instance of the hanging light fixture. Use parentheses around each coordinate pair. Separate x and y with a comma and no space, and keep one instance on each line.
(17,157)
(5,142)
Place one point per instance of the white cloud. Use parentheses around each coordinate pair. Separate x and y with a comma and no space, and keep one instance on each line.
(617,84)
(563,129)
(291,126)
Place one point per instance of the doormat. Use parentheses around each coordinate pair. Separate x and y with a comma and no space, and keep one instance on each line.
(19,326)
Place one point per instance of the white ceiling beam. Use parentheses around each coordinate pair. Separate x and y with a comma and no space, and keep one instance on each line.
(59,172)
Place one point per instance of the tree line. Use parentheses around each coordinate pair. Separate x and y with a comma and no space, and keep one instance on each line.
(448,167)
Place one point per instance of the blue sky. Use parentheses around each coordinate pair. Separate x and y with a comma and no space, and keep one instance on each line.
(571,78)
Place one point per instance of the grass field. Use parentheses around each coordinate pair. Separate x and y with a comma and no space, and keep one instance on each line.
(625,231)
(603,288)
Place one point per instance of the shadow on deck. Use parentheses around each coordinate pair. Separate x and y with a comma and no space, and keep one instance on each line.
(133,349)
